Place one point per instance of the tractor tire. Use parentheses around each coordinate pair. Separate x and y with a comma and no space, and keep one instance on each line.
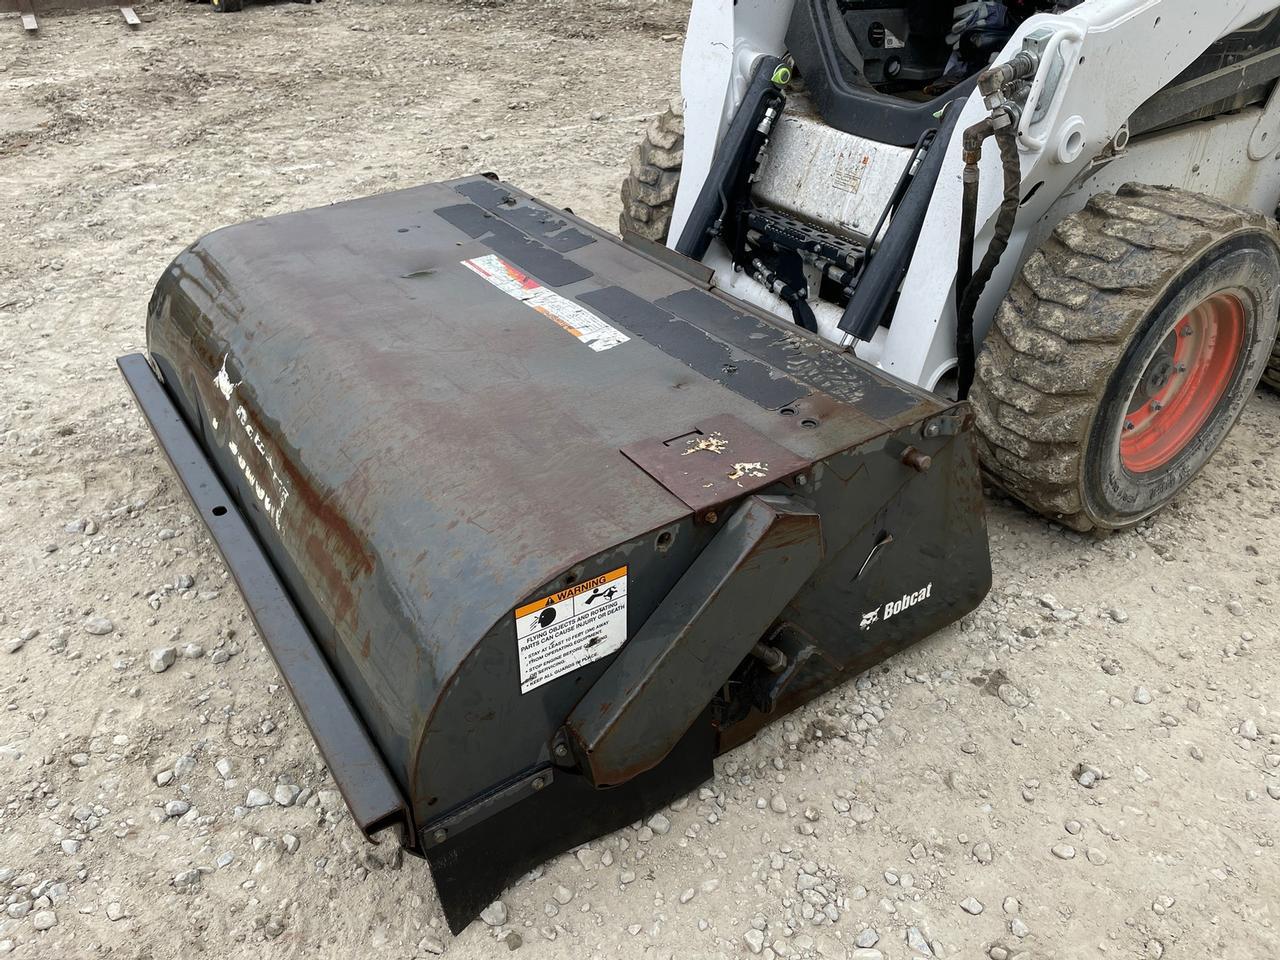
(1124,352)
(649,190)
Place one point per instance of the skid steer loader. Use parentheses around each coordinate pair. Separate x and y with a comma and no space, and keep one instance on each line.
(827,162)
(536,522)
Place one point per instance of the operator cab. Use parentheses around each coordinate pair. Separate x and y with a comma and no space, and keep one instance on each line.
(884,70)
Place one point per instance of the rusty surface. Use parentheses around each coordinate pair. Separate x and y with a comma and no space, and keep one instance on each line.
(419,452)
(362,777)
(719,460)
(913,458)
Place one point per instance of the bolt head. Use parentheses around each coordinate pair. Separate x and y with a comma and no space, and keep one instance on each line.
(539,783)
(440,835)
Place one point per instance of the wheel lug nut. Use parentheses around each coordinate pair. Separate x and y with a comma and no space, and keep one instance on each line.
(1157,405)
(1186,331)
(1128,424)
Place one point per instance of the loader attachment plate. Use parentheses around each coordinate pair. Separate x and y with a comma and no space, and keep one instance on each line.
(534,523)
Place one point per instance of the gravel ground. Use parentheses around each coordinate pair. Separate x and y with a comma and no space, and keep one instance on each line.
(1088,766)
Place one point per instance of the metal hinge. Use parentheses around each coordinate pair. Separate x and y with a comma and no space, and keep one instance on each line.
(945,426)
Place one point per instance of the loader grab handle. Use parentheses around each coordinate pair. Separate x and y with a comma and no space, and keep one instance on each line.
(372,796)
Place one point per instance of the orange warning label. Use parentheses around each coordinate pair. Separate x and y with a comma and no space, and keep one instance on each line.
(566,630)
(584,587)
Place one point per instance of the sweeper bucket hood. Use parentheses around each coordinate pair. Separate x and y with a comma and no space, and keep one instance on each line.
(536,523)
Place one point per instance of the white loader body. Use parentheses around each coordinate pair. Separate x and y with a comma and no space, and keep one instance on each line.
(1103,60)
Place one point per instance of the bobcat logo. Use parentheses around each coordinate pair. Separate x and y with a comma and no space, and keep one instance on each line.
(895,607)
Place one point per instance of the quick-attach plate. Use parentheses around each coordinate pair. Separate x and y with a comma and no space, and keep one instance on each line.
(719,460)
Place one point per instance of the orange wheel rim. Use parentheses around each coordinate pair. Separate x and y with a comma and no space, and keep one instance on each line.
(1183,383)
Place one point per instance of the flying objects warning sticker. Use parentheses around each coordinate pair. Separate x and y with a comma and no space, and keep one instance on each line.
(567,630)
(569,316)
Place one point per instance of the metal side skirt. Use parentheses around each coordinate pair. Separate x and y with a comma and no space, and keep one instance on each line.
(374,799)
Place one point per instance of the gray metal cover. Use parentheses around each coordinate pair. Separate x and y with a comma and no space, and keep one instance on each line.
(421,451)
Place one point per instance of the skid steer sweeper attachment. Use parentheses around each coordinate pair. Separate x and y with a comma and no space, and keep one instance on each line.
(536,523)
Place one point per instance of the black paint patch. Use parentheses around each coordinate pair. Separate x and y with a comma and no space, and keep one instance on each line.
(824,369)
(506,241)
(528,216)
(679,338)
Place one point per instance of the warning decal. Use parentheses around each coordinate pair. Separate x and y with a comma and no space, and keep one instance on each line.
(577,320)
(572,628)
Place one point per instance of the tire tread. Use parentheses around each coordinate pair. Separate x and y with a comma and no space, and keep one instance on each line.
(649,189)
(1065,325)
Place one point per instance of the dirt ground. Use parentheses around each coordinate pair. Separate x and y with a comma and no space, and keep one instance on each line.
(1086,767)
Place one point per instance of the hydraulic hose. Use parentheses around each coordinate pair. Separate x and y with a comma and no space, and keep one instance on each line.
(734,159)
(971,145)
(969,282)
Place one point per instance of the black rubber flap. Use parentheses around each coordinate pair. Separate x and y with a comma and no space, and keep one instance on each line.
(473,869)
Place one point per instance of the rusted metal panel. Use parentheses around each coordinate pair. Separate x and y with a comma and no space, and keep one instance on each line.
(719,460)
(371,795)
(636,713)
(435,407)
